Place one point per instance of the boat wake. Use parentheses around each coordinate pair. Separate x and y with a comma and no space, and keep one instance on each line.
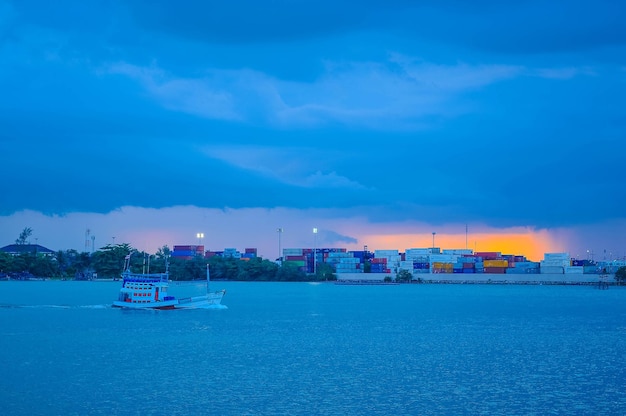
(220,306)
(10,306)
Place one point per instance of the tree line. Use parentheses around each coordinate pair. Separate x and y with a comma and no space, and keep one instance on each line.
(108,263)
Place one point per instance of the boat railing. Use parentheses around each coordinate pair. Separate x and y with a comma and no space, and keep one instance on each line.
(139,277)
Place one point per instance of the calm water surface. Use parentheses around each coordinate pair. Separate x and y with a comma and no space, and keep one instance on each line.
(315,349)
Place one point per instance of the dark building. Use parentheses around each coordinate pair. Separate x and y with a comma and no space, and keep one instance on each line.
(17,249)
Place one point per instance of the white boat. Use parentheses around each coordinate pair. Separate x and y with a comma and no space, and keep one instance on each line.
(150,291)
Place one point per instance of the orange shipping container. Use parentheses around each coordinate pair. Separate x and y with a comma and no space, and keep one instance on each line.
(496,263)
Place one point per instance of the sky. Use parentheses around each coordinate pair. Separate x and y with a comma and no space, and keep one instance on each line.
(498,126)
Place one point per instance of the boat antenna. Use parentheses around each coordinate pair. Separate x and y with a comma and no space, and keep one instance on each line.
(208,277)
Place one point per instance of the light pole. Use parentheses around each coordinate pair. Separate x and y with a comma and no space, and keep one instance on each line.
(280,255)
(434,239)
(200,237)
(315,250)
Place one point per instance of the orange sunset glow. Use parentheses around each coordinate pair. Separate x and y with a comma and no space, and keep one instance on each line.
(531,244)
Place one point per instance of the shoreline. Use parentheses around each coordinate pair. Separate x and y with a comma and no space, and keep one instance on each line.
(597,281)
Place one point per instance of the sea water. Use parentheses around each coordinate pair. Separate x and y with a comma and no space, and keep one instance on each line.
(315,349)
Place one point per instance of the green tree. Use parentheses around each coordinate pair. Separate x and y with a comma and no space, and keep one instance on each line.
(404,276)
(109,260)
(6,261)
(45,266)
(620,275)
(325,272)
(289,272)
(24,235)
(257,269)
(71,263)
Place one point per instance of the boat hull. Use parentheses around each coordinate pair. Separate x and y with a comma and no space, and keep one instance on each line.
(208,300)
(170,304)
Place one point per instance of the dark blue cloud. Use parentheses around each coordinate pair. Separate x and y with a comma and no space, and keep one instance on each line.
(511,113)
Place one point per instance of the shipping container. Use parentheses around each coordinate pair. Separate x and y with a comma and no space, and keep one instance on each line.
(443,258)
(189,248)
(337,255)
(298,263)
(386,253)
(551,270)
(494,270)
(406,265)
(181,253)
(526,265)
(417,252)
(556,256)
(457,252)
(299,258)
(555,263)
(591,269)
(440,267)
(520,270)
(184,257)
(488,255)
(496,263)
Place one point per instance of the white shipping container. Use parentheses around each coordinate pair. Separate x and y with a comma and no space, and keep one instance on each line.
(292,252)
(555,263)
(443,258)
(406,265)
(385,253)
(417,252)
(340,271)
(574,270)
(340,254)
(526,265)
(551,270)
(561,263)
(418,259)
(556,256)
(458,251)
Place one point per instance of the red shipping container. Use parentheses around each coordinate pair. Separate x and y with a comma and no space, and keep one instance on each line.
(488,255)
(496,270)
